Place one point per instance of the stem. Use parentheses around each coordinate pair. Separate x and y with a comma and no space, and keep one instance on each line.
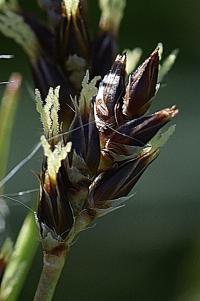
(53,264)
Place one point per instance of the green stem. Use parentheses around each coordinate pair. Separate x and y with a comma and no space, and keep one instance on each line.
(20,261)
(53,264)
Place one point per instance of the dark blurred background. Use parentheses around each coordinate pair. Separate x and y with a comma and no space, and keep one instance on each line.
(150,249)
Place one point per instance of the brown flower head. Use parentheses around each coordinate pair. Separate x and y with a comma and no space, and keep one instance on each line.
(97,139)
(108,149)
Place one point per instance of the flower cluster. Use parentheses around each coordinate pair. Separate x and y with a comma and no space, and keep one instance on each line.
(98,139)
(88,170)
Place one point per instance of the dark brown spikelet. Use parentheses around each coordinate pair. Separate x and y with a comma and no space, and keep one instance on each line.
(54,209)
(142,86)
(139,132)
(118,181)
(109,96)
(85,139)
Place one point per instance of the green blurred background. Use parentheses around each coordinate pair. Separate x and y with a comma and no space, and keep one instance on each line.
(150,249)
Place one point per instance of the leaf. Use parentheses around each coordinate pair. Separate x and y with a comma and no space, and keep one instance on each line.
(133,57)
(167,65)
(7,113)
(162,137)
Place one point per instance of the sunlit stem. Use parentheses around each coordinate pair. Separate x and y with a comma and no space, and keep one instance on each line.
(53,264)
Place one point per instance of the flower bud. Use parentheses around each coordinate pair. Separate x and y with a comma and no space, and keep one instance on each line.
(141,87)
(110,92)
(83,132)
(118,181)
(72,31)
(138,132)
(54,213)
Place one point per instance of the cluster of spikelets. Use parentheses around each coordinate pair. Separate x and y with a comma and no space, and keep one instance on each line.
(97,138)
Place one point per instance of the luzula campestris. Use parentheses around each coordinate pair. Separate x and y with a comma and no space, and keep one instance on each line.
(97,139)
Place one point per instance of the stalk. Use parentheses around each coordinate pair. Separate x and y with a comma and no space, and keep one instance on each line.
(53,263)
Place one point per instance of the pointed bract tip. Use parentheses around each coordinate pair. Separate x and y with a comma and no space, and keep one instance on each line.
(142,87)
(155,55)
(169,113)
(121,58)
